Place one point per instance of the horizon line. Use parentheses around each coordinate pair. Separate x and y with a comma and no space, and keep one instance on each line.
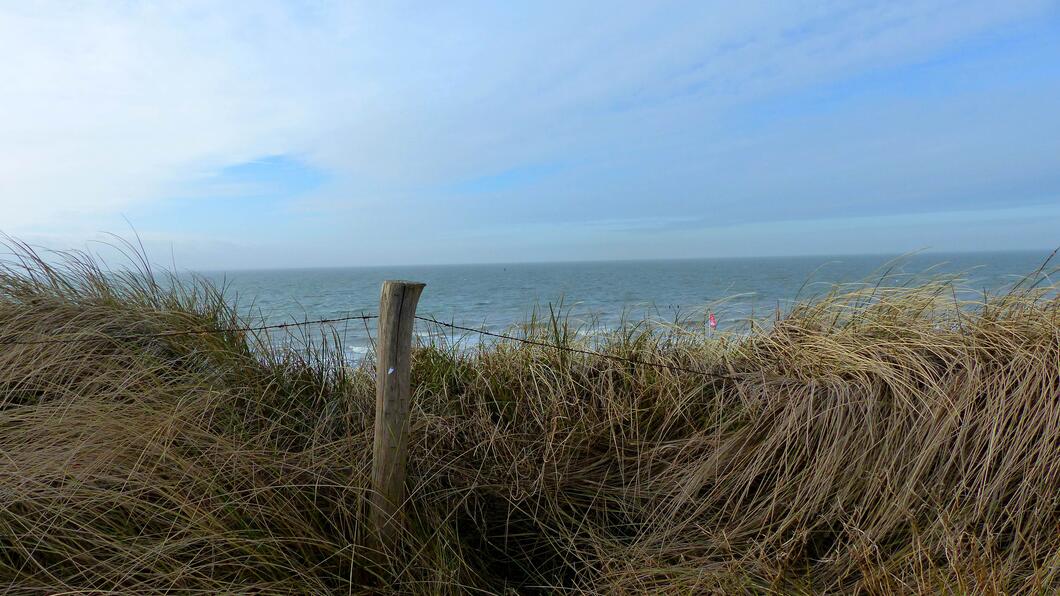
(893,255)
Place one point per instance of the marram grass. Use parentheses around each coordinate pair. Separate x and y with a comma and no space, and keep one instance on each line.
(878,441)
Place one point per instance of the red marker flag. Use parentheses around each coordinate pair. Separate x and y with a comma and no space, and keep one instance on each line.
(713,322)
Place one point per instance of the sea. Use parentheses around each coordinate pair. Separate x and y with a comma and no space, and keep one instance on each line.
(495,297)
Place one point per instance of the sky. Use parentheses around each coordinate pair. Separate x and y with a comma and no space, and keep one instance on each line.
(286,134)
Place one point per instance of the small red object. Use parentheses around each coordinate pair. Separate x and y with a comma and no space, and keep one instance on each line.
(713,322)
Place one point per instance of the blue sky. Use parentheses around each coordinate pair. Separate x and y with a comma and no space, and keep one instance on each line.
(279,134)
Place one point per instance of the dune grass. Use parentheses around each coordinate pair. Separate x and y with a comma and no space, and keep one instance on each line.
(878,440)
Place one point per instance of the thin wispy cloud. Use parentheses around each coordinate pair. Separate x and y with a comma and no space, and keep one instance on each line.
(301,131)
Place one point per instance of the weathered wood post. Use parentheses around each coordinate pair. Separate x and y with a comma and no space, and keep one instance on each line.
(397,316)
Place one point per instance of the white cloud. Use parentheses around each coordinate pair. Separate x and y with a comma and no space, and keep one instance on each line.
(104,106)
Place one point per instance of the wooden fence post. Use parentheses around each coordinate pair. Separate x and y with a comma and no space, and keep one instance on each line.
(397,316)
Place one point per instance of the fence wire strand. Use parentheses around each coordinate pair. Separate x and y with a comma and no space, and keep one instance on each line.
(432,320)
(160,334)
(544,344)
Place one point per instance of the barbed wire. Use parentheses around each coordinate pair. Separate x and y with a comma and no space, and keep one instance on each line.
(181,332)
(585,352)
(328,321)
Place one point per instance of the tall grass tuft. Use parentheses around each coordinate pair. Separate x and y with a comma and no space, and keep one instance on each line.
(878,440)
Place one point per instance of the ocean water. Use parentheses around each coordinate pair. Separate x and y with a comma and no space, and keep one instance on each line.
(496,296)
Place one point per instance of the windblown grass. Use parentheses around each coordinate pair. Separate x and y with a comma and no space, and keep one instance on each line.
(881,440)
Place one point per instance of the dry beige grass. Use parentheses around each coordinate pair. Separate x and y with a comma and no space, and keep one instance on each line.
(887,440)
